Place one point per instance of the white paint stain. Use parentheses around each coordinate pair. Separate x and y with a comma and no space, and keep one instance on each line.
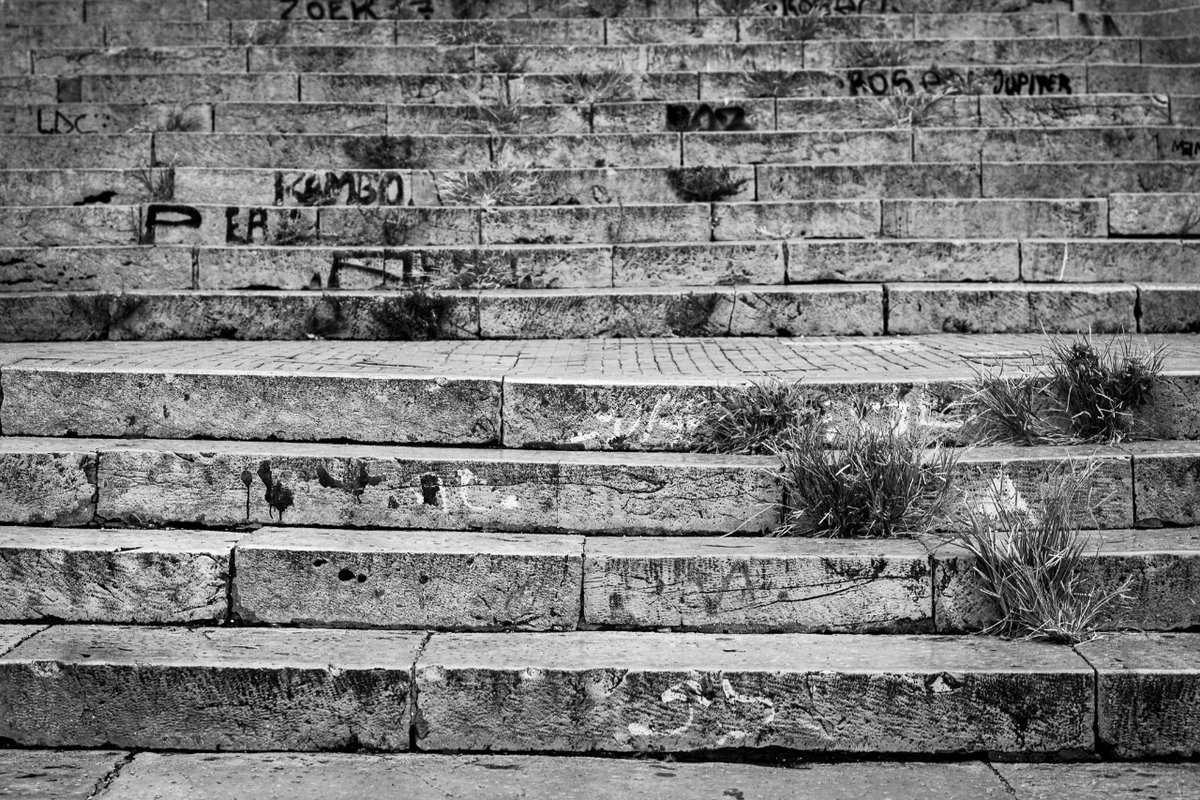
(510,502)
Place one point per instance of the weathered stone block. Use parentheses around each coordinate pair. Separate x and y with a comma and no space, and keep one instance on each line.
(541,314)
(635,8)
(682,692)
(305,59)
(924,308)
(550,88)
(712,263)
(827,54)
(481,118)
(46,482)
(725,57)
(1167,483)
(757,585)
(53,398)
(105,11)
(47,774)
(796,28)
(89,685)
(197,88)
(29,89)
(732,115)
(141,61)
(396,226)
(59,226)
(319,151)
(1150,79)
(808,311)
(711,30)
(595,150)
(77,118)
(1168,308)
(819,147)
(985,26)
(1094,111)
(178,224)
(1154,214)
(37,317)
(944,260)
(293,187)
(404,89)
(82,269)
(587,224)
(164,33)
(1075,179)
(1041,144)
(796,220)
(1034,219)
(342,118)
(292,268)
(846,113)
(37,36)
(512,31)
(1148,693)
(867,181)
(782,83)
(1115,260)
(326,32)
(117,151)
(114,576)
(354,579)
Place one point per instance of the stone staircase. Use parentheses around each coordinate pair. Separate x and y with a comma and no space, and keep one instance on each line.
(354,354)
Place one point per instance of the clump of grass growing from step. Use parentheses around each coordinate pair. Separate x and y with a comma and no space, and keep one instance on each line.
(500,118)
(605,86)
(739,8)
(864,478)
(459,33)
(776,83)
(755,419)
(913,109)
(158,183)
(415,314)
(1086,393)
(705,184)
(882,53)
(292,230)
(954,82)
(494,187)
(508,61)
(1033,563)
(386,152)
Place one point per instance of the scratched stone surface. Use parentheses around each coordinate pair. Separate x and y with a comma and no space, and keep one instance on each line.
(47,482)
(55,774)
(208,688)
(621,692)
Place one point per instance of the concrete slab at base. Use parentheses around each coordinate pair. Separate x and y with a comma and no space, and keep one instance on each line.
(1088,781)
(337,776)
(208,688)
(1148,691)
(678,692)
(460,581)
(56,775)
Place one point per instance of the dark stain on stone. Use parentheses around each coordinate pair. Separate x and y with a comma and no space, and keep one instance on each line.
(278,496)
(393,502)
(431,490)
(736,794)
(319,562)
(355,485)
(502,766)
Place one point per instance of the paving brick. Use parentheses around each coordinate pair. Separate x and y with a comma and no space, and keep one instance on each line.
(318,151)
(684,692)
(918,260)
(281,403)
(141,61)
(818,147)
(1161,566)
(94,268)
(333,88)
(68,225)
(918,308)
(162,33)
(46,482)
(117,151)
(808,311)
(223,483)
(56,775)
(552,314)
(114,576)
(867,181)
(595,150)
(1034,219)
(796,220)
(196,88)
(1086,179)
(1042,144)
(300,118)
(1167,308)
(757,585)
(607,223)
(355,579)
(1114,260)
(312,690)
(715,263)
(1154,214)
(1093,111)
(1148,693)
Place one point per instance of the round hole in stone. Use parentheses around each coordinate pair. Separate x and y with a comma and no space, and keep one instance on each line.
(345,574)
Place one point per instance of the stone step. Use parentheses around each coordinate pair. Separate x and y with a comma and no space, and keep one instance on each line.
(71,775)
(627,394)
(798,310)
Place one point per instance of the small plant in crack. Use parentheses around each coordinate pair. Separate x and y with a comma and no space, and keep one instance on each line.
(157,183)
(1033,563)
(739,8)
(459,33)
(754,419)
(912,109)
(501,118)
(606,86)
(415,314)
(1191,223)
(691,314)
(293,229)
(776,83)
(496,187)
(473,270)
(177,120)
(951,81)
(705,184)
(508,61)
(386,152)
(876,53)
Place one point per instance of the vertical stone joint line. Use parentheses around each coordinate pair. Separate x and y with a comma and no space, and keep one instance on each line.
(412,692)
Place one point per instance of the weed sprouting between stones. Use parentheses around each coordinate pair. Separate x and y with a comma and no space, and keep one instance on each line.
(606,86)
(293,229)
(386,152)
(157,183)
(866,53)
(459,33)
(489,188)
(912,109)
(754,419)
(1086,394)
(776,83)
(498,119)
(739,8)
(1032,561)
(509,61)
(705,184)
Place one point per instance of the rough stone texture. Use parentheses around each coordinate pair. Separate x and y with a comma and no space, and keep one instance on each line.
(1013,308)
(1154,214)
(638,31)
(355,226)
(1148,691)
(338,776)
(594,149)
(253,402)
(867,182)
(750,56)
(1087,781)
(1164,568)
(795,220)
(979,219)
(114,576)
(514,31)
(1074,110)
(621,117)
(141,61)
(219,483)
(197,88)
(818,147)
(843,113)
(79,187)
(318,151)
(657,86)
(825,54)
(356,579)
(757,585)
(418,119)
(1042,144)
(300,118)
(1150,79)
(707,264)
(1086,261)
(681,692)
(1086,179)
(29,89)
(1022,471)
(208,688)
(353,59)
(166,33)
(1166,483)
(13,635)
(587,224)
(67,226)
(35,317)
(945,260)
(716,86)
(43,482)
(265,187)
(1168,308)
(556,314)
(333,88)
(808,311)
(88,118)
(54,774)
(231,226)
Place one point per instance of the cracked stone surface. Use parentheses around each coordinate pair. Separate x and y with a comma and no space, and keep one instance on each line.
(46,482)
(54,774)
(624,692)
(208,689)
